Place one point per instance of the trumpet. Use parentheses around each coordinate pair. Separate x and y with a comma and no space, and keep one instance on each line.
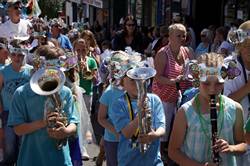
(141,75)
(47,82)
(84,68)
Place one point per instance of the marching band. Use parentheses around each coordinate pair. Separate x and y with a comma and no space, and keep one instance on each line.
(52,84)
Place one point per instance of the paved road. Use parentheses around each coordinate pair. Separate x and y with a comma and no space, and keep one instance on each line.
(93,151)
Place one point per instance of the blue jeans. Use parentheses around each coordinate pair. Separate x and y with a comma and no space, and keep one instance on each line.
(11,142)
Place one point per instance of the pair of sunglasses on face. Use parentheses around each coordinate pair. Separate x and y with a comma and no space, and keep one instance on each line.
(130,25)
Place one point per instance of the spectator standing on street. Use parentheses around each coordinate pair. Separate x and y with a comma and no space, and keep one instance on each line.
(128,36)
(169,64)
(222,46)
(205,44)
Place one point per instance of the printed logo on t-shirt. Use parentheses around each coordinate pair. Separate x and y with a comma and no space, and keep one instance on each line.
(12,85)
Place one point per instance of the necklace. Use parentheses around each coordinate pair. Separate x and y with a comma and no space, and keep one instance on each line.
(205,124)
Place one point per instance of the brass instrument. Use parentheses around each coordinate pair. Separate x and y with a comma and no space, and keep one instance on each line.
(141,75)
(47,82)
(214,130)
(86,72)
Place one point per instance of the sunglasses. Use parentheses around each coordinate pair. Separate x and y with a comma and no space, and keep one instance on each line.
(56,26)
(203,35)
(130,25)
(17,55)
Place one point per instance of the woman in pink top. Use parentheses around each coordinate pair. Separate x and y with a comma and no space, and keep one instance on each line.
(169,64)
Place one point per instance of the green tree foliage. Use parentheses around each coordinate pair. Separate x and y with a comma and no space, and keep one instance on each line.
(50,8)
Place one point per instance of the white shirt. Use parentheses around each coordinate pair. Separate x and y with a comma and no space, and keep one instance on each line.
(231,86)
(106,53)
(226,45)
(10,30)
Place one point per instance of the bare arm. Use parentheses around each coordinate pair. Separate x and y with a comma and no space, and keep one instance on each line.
(240,145)
(102,119)
(131,128)
(160,63)
(27,128)
(240,93)
(176,141)
(153,135)
(190,53)
(62,132)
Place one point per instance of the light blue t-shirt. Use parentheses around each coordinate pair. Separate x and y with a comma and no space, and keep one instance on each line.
(64,42)
(201,49)
(2,66)
(37,148)
(11,81)
(107,98)
(128,156)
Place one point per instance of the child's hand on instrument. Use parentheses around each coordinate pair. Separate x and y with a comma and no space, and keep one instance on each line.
(58,132)
(147,138)
(222,146)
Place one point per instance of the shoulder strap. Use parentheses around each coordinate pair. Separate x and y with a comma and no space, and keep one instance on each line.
(131,115)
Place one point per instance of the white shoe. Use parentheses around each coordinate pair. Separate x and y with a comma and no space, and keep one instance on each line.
(85,157)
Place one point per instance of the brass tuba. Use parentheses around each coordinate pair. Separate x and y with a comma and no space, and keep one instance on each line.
(141,75)
(47,82)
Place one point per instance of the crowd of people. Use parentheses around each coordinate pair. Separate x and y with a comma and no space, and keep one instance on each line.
(55,80)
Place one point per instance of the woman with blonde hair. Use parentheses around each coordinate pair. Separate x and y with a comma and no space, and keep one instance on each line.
(169,64)
(206,42)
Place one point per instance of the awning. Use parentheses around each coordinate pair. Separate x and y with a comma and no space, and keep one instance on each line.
(96,3)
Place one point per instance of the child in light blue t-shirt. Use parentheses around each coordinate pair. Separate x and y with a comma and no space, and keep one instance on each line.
(128,154)
(41,127)
(112,92)
(111,137)
(37,147)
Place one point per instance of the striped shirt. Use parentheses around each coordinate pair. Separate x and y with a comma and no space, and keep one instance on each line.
(168,93)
